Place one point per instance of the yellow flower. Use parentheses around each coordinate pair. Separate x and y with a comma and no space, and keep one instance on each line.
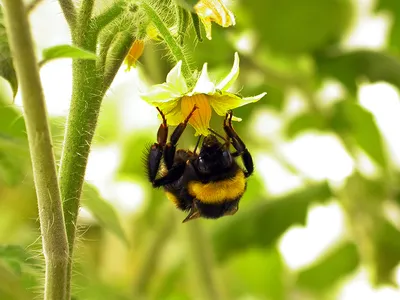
(214,11)
(176,101)
(134,53)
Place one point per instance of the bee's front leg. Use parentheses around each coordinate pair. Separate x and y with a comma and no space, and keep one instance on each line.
(238,144)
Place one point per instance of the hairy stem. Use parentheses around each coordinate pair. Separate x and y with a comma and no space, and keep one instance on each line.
(55,247)
(69,11)
(171,42)
(88,90)
(99,22)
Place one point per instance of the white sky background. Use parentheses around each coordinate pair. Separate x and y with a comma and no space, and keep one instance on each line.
(317,156)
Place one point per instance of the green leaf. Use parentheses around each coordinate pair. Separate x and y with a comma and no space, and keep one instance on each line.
(349,68)
(324,273)
(352,118)
(103,211)
(304,122)
(258,272)
(293,26)
(66,51)
(387,252)
(7,70)
(263,223)
(378,241)
(14,152)
(393,8)
(17,257)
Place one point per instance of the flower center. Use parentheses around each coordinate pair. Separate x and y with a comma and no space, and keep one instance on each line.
(200,119)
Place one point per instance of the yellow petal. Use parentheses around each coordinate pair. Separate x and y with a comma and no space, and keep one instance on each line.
(223,102)
(134,53)
(214,11)
(200,119)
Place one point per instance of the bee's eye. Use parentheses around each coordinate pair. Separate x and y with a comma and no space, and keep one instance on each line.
(226,159)
(202,165)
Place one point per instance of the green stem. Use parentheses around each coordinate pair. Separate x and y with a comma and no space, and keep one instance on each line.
(115,56)
(202,258)
(69,11)
(99,22)
(88,90)
(55,247)
(171,42)
(154,251)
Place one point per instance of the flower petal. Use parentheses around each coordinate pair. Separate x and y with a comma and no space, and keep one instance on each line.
(203,84)
(176,80)
(214,11)
(200,120)
(173,115)
(227,82)
(160,93)
(222,102)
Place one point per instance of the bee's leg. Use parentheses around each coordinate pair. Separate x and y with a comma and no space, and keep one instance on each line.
(239,145)
(156,150)
(174,173)
(170,148)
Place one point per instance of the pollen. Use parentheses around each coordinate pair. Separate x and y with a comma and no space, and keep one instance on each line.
(200,119)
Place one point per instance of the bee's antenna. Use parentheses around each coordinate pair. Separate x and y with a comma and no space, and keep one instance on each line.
(197,144)
(217,134)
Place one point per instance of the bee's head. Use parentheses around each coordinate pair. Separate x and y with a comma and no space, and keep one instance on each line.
(213,155)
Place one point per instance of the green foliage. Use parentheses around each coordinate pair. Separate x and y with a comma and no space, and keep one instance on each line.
(295,27)
(6,65)
(351,119)
(263,223)
(351,67)
(66,51)
(103,211)
(326,272)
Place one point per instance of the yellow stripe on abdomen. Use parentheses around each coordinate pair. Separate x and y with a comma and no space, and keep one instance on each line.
(219,191)
(171,197)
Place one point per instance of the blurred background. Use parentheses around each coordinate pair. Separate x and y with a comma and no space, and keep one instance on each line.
(321,215)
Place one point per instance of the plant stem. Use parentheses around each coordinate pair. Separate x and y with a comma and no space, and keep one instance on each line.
(69,11)
(202,258)
(88,90)
(55,247)
(99,22)
(171,42)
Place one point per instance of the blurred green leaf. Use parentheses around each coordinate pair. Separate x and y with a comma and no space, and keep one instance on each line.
(349,117)
(377,240)
(66,51)
(256,272)
(306,121)
(393,8)
(387,252)
(132,162)
(293,26)
(103,211)
(12,288)
(14,152)
(324,273)
(16,257)
(263,223)
(7,70)
(350,67)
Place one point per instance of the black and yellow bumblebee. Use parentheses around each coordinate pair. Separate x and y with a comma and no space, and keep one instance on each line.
(207,184)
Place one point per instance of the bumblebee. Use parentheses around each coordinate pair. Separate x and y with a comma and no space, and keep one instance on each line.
(207,184)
